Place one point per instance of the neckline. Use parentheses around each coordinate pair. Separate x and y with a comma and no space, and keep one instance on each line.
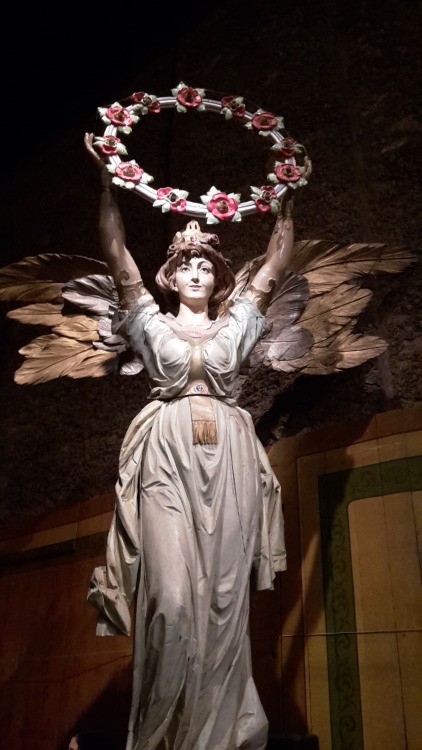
(203,327)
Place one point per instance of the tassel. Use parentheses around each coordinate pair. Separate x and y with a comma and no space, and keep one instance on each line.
(204,427)
(204,432)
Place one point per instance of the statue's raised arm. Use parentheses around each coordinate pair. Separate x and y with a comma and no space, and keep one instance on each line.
(122,266)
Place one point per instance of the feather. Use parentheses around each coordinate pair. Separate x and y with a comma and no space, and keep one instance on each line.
(340,351)
(94,294)
(40,313)
(288,302)
(291,343)
(78,327)
(327,313)
(40,278)
(52,356)
(327,264)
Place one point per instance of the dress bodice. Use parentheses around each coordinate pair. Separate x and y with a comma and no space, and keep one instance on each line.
(172,358)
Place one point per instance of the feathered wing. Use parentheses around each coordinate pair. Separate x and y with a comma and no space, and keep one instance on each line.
(59,288)
(313,313)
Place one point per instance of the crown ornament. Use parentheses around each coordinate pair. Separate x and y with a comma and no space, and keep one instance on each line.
(192,235)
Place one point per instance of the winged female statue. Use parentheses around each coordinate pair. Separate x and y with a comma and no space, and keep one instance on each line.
(198,507)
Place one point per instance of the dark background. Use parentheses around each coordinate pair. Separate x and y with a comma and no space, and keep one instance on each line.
(344,76)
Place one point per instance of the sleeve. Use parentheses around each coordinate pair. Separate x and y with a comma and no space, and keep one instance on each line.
(131,323)
(250,324)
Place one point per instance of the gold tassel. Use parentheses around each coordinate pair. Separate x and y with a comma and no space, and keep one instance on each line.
(204,427)
(204,432)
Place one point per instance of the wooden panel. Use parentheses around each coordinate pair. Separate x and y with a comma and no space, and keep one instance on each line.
(417,512)
(410,650)
(414,443)
(391,447)
(403,560)
(381,692)
(293,685)
(266,664)
(318,699)
(370,561)
(96,686)
(313,597)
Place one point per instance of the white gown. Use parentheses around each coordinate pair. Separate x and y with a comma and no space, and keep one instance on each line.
(192,521)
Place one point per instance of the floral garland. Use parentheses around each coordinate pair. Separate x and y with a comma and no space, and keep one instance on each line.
(216,205)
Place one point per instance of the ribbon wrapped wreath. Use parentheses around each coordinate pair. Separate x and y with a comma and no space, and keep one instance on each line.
(216,205)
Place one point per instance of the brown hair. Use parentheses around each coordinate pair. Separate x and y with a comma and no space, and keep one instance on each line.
(177,254)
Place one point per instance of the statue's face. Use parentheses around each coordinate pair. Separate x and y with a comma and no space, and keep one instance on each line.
(195,280)
(73,744)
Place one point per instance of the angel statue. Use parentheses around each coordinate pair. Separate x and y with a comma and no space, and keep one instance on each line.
(198,509)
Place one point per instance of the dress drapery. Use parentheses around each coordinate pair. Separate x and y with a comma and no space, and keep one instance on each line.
(191,523)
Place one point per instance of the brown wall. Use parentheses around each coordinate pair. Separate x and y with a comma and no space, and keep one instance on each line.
(57,677)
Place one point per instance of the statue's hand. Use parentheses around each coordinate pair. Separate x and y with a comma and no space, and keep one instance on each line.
(308,167)
(96,158)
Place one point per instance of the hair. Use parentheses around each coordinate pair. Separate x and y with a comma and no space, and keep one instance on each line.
(177,254)
(94,741)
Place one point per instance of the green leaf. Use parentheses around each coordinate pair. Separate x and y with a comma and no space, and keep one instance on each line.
(125,129)
(237,216)
(165,207)
(211,219)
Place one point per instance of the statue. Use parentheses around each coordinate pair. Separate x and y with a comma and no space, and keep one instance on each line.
(198,508)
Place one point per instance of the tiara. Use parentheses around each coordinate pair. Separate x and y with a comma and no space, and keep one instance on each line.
(192,235)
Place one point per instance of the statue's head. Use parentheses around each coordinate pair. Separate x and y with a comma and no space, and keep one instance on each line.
(193,243)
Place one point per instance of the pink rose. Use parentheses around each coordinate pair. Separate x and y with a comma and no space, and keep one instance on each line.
(268,194)
(109,145)
(140,97)
(119,116)
(237,109)
(176,203)
(128,171)
(287,173)
(189,97)
(264,121)
(222,206)
(287,147)
(137,96)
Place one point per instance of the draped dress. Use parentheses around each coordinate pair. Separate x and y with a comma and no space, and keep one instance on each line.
(192,522)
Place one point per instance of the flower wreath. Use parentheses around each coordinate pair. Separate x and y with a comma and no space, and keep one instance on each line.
(216,205)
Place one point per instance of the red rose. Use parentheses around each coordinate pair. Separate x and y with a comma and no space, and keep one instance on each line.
(268,194)
(287,147)
(222,206)
(109,145)
(287,173)
(176,203)
(128,171)
(237,109)
(119,116)
(264,121)
(189,97)
(140,97)
(154,107)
